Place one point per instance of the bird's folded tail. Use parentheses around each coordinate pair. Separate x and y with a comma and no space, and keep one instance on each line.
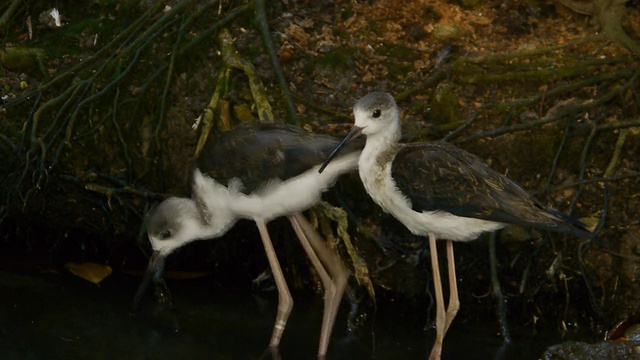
(571,226)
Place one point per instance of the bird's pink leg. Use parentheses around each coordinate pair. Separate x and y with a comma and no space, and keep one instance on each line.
(330,270)
(454,301)
(285,301)
(436,351)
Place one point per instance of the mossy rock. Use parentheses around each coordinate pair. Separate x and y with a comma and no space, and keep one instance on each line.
(18,58)
(445,105)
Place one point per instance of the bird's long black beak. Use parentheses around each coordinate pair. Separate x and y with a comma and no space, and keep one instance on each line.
(354,133)
(154,272)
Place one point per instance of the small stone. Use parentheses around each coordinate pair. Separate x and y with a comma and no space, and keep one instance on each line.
(446,32)
(286,55)
(51,18)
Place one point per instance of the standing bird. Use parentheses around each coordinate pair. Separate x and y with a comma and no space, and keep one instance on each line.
(277,166)
(438,190)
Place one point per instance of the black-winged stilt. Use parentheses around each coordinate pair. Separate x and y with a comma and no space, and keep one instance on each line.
(276,165)
(438,190)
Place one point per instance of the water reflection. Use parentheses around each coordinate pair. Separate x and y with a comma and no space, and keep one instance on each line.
(57,316)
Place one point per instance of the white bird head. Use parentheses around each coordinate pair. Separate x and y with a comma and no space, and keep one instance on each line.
(174,223)
(170,225)
(375,113)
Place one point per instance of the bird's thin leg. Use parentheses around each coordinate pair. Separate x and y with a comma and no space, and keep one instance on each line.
(454,301)
(285,301)
(436,351)
(331,271)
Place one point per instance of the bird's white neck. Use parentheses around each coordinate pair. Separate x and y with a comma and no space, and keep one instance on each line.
(384,138)
(214,224)
(214,206)
(380,149)
(374,168)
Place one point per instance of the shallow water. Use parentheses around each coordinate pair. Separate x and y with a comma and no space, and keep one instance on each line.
(59,316)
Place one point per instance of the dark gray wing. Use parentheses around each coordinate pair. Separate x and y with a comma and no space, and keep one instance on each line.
(258,153)
(440,176)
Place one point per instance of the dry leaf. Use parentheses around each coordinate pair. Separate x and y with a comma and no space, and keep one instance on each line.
(89,271)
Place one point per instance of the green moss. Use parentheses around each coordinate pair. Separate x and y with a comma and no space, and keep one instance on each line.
(239,87)
(347,13)
(445,106)
(86,24)
(399,52)
(447,33)
(430,13)
(403,58)
(467,4)
(19,58)
(340,33)
(538,76)
(533,152)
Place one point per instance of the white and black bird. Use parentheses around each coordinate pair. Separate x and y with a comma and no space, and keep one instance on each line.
(438,190)
(270,171)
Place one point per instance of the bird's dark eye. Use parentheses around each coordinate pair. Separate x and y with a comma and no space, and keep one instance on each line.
(165,234)
(376,113)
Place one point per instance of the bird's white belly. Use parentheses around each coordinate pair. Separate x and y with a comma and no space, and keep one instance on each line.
(383,190)
(448,226)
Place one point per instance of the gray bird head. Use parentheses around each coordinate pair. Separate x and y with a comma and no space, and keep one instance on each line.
(375,112)
(174,223)
(170,225)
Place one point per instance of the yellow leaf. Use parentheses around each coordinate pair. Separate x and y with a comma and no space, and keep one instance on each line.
(89,271)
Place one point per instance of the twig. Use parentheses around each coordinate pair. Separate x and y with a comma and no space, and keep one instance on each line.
(461,128)
(261,19)
(165,92)
(611,126)
(589,181)
(78,94)
(616,153)
(547,119)
(583,165)
(231,15)
(9,144)
(556,158)
(501,300)
(123,143)
(109,191)
(587,283)
(70,124)
(431,80)
(9,12)
(530,53)
(108,48)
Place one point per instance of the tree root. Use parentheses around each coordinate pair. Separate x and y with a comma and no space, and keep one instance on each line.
(608,14)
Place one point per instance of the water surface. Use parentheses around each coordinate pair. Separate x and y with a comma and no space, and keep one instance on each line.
(59,316)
